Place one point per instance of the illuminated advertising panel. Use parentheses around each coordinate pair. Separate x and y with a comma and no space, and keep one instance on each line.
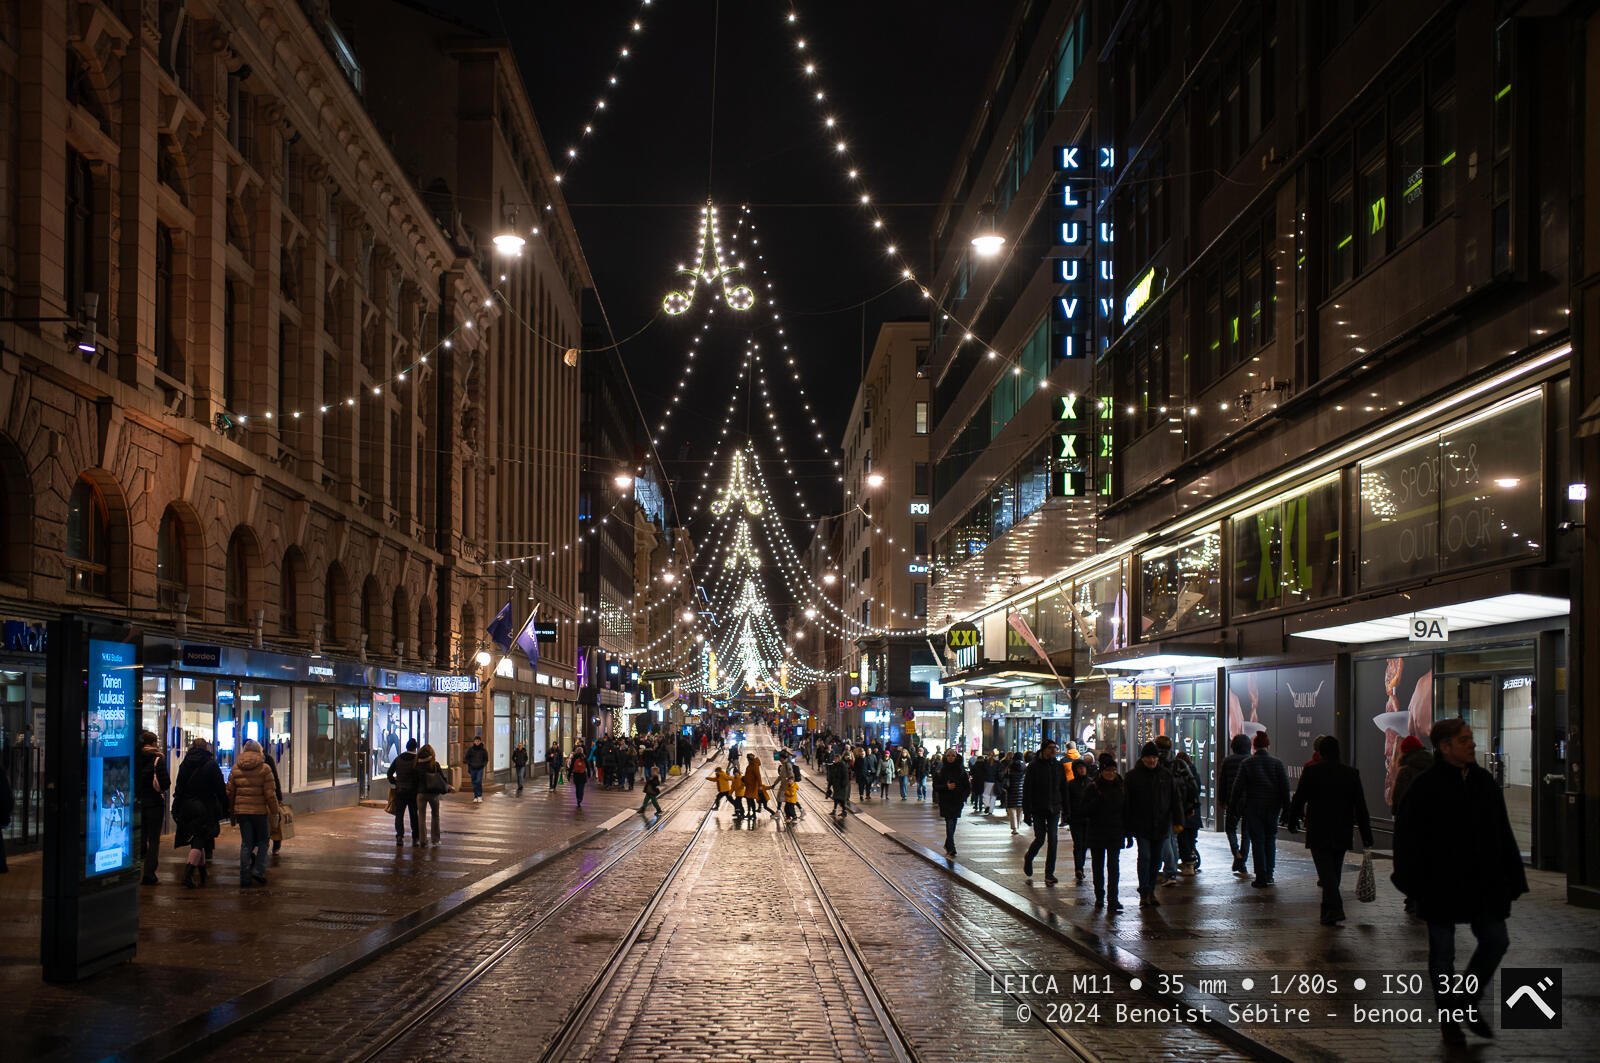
(108,805)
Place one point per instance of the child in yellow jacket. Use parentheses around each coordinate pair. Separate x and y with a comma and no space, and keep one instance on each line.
(791,800)
(737,782)
(724,788)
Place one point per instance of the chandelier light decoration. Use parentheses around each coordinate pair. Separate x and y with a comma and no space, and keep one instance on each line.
(739,490)
(709,268)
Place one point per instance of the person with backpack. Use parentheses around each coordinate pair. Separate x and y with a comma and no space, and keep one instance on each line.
(578,771)
(431,785)
(150,787)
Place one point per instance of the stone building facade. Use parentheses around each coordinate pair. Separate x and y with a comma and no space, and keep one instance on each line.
(243,378)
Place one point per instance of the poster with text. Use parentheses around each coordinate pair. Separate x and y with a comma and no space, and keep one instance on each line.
(108,795)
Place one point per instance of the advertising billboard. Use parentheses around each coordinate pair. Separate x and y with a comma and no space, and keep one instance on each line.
(108,805)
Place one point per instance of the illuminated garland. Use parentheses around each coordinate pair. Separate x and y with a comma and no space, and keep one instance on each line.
(709,268)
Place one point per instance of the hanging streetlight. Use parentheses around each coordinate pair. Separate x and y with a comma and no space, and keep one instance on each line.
(988,241)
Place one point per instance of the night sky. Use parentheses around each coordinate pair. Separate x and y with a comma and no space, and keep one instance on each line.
(903,79)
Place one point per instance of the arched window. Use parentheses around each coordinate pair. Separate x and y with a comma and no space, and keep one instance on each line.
(172,571)
(236,581)
(88,541)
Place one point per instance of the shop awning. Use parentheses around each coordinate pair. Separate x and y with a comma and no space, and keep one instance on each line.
(999,675)
(1504,597)
(1161,655)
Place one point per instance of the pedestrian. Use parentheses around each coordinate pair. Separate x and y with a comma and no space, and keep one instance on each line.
(902,765)
(1078,814)
(628,763)
(1169,844)
(791,800)
(477,759)
(431,785)
(275,823)
(865,771)
(1188,781)
(652,791)
(738,796)
(519,763)
(978,776)
(1414,760)
(1227,775)
(150,786)
(885,775)
(951,787)
(199,802)
(250,801)
(1013,790)
(1152,811)
(578,772)
(753,786)
(552,762)
(1331,801)
(1105,817)
(919,768)
(724,783)
(1044,792)
(609,777)
(839,784)
(403,792)
(1262,794)
(1456,856)
(663,757)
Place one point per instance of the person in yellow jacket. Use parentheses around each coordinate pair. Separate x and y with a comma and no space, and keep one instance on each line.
(737,783)
(724,783)
(791,800)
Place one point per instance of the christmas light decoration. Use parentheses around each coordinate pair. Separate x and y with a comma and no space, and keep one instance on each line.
(710,267)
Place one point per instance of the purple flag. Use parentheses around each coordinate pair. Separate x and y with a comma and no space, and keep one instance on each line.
(528,640)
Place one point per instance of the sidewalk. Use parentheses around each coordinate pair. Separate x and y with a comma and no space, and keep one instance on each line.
(1214,924)
(340,892)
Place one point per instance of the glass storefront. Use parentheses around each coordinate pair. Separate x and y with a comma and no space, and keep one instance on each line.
(541,731)
(22,740)
(500,738)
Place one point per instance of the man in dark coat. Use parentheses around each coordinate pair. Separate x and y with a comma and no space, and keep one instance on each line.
(1227,775)
(1044,795)
(403,781)
(1153,810)
(1077,814)
(1105,807)
(476,759)
(1456,857)
(950,788)
(979,774)
(1330,799)
(1261,794)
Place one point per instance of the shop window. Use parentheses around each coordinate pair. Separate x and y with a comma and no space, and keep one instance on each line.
(88,541)
(1182,585)
(1287,551)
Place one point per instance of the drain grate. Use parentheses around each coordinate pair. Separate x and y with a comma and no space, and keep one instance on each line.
(332,919)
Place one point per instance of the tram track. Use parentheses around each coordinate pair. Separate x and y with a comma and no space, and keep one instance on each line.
(1212,1030)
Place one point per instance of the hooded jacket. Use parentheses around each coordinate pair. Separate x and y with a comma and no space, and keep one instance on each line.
(403,772)
(1229,773)
(752,778)
(250,786)
(477,757)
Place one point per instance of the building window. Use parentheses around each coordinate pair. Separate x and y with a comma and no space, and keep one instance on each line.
(289,592)
(236,582)
(922,418)
(88,541)
(920,479)
(171,573)
(919,538)
(78,258)
(1239,301)
(1069,55)
(919,599)
(166,344)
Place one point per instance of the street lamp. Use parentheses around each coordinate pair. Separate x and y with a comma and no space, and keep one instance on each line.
(875,479)
(987,243)
(623,480)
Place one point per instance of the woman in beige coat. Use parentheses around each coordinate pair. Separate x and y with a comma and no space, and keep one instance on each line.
(252,797)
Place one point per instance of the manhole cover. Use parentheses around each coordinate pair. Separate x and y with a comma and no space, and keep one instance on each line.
(329,919)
